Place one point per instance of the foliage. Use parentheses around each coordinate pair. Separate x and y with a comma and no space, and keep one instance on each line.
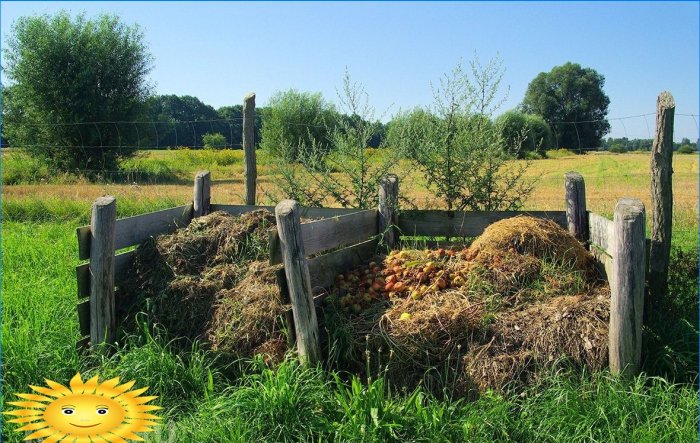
(617,148)
(524,133)
(349,172)
(64,70)
(181,121)
(570,93)
(460,152)
(297,125)
(407,130)
(686,149)
(214,140)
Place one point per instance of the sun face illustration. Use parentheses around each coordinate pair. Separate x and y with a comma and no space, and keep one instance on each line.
(86,412)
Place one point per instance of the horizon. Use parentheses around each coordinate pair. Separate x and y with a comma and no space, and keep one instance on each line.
(219,51)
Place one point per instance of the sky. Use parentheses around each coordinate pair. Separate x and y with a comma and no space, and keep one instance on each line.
(219,51)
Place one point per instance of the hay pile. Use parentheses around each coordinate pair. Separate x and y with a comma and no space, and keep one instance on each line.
(524,295)
(210,280)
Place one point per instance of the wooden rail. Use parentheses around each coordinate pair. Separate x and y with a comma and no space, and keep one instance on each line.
(330,233)
(462,224)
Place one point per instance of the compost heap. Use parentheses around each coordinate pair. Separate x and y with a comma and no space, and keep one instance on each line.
(211,280)
(525,294)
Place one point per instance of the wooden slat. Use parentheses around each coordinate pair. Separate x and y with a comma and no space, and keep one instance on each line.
(82,344)
(600,232)
(84,317)
(305,212)
(324,268)
(133,230)
(121,263)
(604,259)
(462,224)
(330,233)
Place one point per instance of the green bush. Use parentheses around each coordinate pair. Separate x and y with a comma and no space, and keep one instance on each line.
(297,122)
(686,149)
(524,133)
(618,148)
(214,140)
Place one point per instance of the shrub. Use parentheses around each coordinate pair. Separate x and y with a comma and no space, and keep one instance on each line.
(686,149)
(618,148)
(214,140)
(524,133)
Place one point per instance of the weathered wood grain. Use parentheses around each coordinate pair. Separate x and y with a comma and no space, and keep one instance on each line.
(388,205)
(296,271)
(250,170)
(576,216)
(328,233)
(134,230)
(627,287)
(201,194)
(84,317)
(600,232)
(121,263)
(102,311)
(462,224)
(661,198)
(324,268)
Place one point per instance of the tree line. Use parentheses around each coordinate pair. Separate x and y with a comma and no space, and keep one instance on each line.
(77,86)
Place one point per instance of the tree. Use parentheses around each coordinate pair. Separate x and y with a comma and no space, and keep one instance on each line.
(295,122)
(523,133)
(568,94)
(457,147)
(214,140)
(182,121)
(68,76)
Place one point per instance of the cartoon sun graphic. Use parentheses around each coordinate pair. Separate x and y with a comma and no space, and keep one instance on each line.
(86,412)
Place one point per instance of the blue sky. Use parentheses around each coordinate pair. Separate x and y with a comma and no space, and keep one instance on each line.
(219,51)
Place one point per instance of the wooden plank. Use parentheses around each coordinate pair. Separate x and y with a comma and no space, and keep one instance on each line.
(250,169)
(133,230)
(462,224)
(388,205)
(576,217)
(324,268)
(304,211)
(82,344)
(604,259)
(84,317)
(121,264)
(329,233)
(600,231)
(627,287)
(103,231)
(296,270)
(201,194)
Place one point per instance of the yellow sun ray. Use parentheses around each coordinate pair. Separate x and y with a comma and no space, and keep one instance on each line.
(25,419)
(87,412)
(59,388)
(23,412)
(40,433)
(34,397)
(27,404)
(54,438)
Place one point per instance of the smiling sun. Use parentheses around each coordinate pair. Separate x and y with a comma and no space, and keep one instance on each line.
(85,412)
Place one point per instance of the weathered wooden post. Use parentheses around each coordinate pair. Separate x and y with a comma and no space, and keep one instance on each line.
(627,286)
(661,198)
(576,215)
(102,242)
(250,171)
(201,198)
(388,204)
(296,270)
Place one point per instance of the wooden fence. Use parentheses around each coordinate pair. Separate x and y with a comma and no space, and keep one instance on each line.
(314,252)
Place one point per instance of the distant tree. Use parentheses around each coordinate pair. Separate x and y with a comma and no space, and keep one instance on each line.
(295,122)
(459,149)
(618,148)
(214,140)
(183,121)
(567,94)
(523,133)
(65,72)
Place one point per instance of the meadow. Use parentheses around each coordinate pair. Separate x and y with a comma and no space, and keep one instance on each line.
(207,401)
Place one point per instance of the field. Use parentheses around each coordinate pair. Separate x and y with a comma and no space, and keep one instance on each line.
(205,401)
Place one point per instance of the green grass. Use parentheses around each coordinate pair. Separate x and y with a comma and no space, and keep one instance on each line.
(206,401)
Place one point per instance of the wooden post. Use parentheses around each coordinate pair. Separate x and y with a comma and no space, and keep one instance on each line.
(202,194)
(661,198)
(250,171)
(102,310)
(576,215)
(627,286)
(388,204)
(296,269)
